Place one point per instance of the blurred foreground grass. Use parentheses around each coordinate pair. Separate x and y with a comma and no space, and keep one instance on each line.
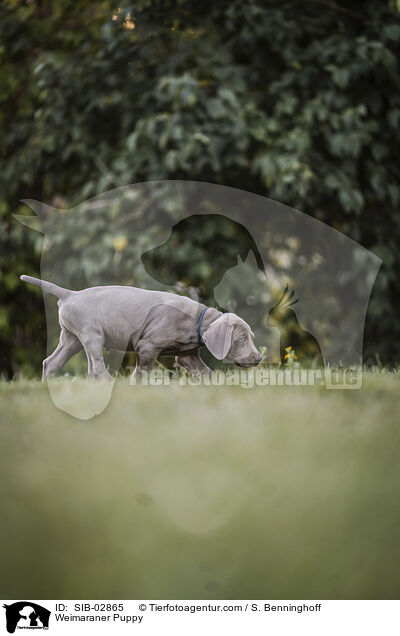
(197,492)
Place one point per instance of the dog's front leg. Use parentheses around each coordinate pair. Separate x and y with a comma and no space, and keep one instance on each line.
(146,356)
(193,363)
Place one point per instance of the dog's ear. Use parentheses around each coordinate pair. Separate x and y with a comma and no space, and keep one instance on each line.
(218,337)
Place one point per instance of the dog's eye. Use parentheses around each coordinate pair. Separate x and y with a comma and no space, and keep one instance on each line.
(242,339)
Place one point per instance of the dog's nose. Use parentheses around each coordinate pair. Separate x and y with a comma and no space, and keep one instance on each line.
(257,360)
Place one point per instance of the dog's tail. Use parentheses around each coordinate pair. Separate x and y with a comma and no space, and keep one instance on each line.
(51,288)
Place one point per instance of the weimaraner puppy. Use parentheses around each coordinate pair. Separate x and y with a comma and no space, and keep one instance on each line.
(152,323)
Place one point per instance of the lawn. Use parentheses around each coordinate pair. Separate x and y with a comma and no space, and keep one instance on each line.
(202,492)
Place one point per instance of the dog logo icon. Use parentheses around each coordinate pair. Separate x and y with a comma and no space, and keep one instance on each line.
(26,615)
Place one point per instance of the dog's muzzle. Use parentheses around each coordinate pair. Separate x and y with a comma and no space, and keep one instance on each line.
(249,363)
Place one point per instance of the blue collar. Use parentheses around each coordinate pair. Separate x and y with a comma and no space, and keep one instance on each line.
(199,338)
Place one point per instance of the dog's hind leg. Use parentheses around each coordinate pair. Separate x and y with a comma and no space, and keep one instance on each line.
(68,346)
(93,346)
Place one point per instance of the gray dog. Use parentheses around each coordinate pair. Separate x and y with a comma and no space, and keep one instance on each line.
(152,323)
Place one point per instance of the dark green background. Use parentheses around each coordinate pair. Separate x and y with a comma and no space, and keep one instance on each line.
(298,101)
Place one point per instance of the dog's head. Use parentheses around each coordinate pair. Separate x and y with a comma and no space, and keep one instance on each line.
(230,338)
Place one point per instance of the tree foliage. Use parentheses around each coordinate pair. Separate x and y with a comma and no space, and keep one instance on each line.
(296,101)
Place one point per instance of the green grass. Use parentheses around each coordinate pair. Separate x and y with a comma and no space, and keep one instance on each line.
(197,492)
